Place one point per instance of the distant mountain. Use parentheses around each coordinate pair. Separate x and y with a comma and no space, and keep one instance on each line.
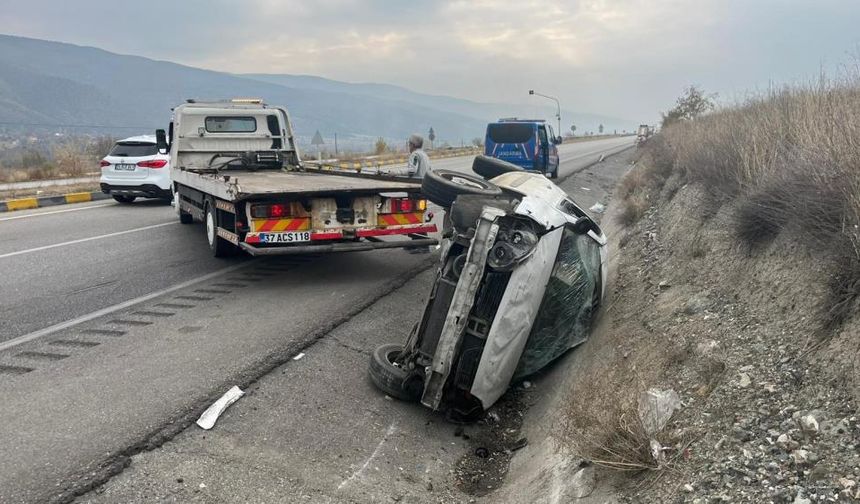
(481,111)
(52,83)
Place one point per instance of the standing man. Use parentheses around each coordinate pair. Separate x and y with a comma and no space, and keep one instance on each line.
(418,163)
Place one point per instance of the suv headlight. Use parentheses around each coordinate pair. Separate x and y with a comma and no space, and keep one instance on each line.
(515,242)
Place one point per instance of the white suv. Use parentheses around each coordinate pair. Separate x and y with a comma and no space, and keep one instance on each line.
(133,168)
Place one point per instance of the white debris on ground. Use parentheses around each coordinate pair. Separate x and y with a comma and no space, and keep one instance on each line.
(656,408)
(210,416)
(598,208)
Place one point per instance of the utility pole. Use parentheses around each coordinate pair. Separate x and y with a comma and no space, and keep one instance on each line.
(335,145)
(557,104)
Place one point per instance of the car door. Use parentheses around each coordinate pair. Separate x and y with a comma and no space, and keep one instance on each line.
(541,160)
(552,163)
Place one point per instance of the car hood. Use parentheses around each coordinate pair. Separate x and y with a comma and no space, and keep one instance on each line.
(541,200)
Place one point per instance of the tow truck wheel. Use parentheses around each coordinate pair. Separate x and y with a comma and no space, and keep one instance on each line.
(219,246)
(443,186)
(390,377)
(184,217)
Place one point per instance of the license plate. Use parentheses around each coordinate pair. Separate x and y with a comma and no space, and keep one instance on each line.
(125,166)
(287,237)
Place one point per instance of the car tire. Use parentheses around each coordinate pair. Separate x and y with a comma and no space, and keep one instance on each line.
(217,245)
(443,186)
(122,198)
(490,167)
(393,380)
(554,174)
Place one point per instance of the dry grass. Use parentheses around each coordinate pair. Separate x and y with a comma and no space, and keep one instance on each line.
(602,425)
(616,441)
(791,155)
(72,158)
(639,188)
(789,160)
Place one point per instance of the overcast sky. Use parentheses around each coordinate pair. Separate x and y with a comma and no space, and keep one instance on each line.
(623,58)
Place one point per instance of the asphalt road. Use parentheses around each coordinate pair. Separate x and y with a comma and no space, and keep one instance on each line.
(116,328)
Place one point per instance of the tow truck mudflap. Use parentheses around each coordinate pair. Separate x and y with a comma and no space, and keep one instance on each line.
(336,247)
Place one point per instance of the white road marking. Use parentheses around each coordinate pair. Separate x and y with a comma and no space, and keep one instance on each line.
(125,304)
(91,238)
(390,432)
(56,212)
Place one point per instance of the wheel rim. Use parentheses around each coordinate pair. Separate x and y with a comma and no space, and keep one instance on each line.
(467,182)
(210,228)
(391,357)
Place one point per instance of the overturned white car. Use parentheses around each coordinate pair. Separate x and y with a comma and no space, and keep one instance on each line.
(520,280)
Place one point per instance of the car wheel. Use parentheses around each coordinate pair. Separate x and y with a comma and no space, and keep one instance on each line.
(219,246)
(490,167)
(554,174)
(122,198)
(391,378)
(443,186)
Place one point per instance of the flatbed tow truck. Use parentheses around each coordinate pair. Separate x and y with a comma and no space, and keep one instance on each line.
(236,168)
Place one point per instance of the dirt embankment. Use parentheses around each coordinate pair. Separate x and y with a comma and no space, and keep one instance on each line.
(760,340)
(768,410)
(746,337)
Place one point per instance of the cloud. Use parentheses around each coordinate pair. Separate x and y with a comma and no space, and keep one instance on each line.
(628,58)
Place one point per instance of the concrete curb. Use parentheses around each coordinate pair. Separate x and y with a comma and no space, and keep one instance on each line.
(46,201)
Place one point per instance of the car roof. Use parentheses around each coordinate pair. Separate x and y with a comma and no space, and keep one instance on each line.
(138,139)
(508,120)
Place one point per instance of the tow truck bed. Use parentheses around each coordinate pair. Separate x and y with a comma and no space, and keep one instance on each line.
(244,184)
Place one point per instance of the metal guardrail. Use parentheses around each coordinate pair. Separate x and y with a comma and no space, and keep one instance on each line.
(36,184)
(380,161)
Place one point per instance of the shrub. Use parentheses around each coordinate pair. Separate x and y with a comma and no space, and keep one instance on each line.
(790,157)
(643,183)
(380,146)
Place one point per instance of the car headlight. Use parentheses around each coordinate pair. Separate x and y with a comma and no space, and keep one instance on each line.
(515,242)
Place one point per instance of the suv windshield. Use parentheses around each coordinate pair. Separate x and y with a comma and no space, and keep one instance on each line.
(133,149)
(510,132)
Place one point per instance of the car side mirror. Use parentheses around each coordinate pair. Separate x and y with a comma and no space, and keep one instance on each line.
(558,140)
(161,141)
(584,225)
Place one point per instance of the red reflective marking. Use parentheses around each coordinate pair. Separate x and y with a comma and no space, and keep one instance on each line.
(396,231)
(267,225)
(326,236)
(295,224)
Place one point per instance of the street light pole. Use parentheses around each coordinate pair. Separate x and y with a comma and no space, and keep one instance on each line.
(557,104)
